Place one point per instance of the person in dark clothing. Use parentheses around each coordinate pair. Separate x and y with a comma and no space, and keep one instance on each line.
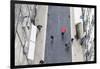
(63,30)
(72,40)
(66,45)
(62,33)
(39,27)
(41,62)
(52,38)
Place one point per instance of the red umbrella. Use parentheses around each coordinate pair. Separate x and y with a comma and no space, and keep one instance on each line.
(63,29)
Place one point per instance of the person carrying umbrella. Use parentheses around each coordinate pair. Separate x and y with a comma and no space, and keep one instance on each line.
(63,30)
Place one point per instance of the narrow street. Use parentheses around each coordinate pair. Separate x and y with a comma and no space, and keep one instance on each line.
(55,51)
(46,45)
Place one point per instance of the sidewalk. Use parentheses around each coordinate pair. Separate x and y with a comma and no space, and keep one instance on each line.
(77,54)
(41,19)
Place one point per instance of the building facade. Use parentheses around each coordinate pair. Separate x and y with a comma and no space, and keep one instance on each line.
(27,17)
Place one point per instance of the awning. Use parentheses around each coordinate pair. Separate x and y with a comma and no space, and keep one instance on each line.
(32,43)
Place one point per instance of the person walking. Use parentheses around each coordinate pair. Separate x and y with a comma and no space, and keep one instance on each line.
(63,30)
(41,62)
(52,38)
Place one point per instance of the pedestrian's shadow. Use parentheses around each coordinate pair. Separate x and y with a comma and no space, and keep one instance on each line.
(67,48)
(52,41)
(62,37)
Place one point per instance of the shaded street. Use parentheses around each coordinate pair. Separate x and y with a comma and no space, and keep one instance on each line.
(55,51)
